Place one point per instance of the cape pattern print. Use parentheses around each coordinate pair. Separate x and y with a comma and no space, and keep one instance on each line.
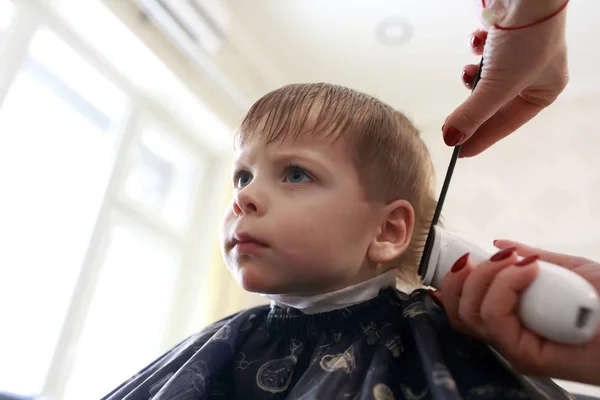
(395,346)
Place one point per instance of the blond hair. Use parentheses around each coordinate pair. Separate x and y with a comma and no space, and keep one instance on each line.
(391,159)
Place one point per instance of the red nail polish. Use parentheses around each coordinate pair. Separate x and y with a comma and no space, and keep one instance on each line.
(467,79)
(453,136)
(503,254)
(460,263)
(475,42)
(435,299)
(494,242)
(527,260)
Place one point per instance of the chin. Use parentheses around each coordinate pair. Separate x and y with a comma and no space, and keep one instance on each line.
(257,281)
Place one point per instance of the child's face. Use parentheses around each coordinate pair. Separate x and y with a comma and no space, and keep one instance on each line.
(303,202)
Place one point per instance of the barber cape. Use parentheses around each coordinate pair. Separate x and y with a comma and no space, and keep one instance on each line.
(370,341)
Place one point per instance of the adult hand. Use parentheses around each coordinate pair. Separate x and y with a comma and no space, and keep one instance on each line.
(523,72)
(481,301)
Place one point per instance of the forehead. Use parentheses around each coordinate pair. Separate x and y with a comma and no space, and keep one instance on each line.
(329,150)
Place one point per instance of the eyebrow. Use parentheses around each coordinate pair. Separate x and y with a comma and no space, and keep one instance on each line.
(302,157)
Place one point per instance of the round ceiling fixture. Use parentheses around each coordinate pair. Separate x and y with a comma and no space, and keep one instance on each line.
(394,31)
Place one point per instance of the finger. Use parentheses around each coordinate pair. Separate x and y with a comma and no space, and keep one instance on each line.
(452,290)
(524,250)
(498,310)
(487,98)
(477,41)
(502,123)
(526,351)
(476,286)
(468,75)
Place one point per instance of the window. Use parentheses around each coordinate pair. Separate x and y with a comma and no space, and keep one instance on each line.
(163,178)
(129,314)
(127,318)
(75,81)
(99,184)
(58,135)
(7,11)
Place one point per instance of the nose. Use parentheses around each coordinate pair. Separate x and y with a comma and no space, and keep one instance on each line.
(246,201)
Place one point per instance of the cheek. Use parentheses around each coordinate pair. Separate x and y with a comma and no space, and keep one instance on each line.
(330,233)
(351,224)
(226,222)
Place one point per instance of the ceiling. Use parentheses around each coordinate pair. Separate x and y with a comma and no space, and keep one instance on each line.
(542,185)
(336,41)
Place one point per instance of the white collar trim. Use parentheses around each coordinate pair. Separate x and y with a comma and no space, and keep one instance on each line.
(345,297)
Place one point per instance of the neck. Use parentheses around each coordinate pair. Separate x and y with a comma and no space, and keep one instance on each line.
(338,299)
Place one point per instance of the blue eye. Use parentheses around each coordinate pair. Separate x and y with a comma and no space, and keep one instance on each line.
(296,175)
(242,178)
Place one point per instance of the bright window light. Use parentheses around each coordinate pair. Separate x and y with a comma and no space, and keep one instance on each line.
(7,10)
(128,316)
(57,148)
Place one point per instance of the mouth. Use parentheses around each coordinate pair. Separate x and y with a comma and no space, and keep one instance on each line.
(246,244)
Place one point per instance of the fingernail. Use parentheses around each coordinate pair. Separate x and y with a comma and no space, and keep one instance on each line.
(503,254)
(467,79)
(434,298)
(527,260)
(495,241)
(460,263)
(475,42)
(453,136)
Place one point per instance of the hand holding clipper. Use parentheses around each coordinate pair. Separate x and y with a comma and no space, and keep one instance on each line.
(559,304)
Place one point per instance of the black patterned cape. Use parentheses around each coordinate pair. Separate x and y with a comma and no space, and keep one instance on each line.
(394,346)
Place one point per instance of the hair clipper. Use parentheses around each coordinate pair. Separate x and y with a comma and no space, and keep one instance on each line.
(558,305)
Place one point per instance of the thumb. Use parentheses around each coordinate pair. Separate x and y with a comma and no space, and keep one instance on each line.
(487,98)
(524,250)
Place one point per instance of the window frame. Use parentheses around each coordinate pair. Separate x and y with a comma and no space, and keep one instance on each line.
(195,150)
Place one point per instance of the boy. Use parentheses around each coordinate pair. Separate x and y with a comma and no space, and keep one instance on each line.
(332,202)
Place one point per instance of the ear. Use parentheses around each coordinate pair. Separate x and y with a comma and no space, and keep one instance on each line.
(395,231)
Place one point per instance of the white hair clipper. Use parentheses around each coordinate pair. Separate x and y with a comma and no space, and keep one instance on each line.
(558,305)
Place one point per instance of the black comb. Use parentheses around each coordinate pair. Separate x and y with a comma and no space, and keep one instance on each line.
(440,203)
